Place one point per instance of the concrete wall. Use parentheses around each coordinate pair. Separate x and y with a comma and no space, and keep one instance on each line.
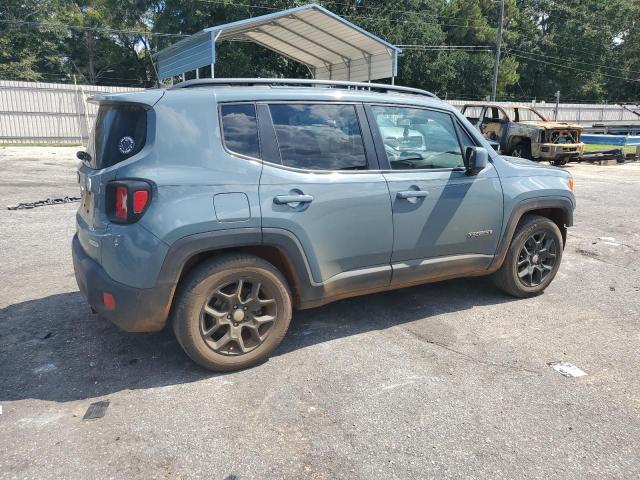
(58,113)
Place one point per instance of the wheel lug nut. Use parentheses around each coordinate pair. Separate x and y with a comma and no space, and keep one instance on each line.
(235,324)
(235,307)
(228,316)
(244,308)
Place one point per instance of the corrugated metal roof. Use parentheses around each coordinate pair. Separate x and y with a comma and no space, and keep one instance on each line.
(331,47)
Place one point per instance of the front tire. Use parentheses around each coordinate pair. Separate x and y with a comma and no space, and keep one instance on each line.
(533,258)
(232,312)
(521,150)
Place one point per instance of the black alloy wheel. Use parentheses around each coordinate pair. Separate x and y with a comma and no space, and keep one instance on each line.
(537,259)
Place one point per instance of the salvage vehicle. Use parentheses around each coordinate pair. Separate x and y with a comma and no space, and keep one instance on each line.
(524,132)
(219,206)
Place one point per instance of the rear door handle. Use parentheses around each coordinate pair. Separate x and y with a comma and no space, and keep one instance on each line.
(288,199)
(404,194)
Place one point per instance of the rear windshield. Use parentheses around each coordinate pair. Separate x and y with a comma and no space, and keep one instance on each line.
(119,132)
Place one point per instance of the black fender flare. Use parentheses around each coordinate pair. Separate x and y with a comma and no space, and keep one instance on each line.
(521,209)
(187,247)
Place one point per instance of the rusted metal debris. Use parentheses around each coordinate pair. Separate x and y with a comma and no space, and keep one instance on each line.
(615,154)
(522,131)
(44,203)
(96,410)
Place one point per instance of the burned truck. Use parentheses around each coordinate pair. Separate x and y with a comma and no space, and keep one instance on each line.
(524,132)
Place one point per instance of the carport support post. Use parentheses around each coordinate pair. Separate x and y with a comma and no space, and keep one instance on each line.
(79,103)
(214,39)
(555,111)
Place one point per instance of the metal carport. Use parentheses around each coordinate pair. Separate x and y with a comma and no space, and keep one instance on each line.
(331,47)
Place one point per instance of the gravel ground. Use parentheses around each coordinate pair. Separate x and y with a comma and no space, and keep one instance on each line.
(445,380)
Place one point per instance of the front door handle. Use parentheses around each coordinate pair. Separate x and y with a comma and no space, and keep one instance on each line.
(405,194)
(289,199)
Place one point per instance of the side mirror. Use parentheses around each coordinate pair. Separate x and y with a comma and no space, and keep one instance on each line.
(475,159)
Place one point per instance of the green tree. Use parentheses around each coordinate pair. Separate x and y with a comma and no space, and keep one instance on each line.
(571,46)
(627,55)
(109,41)
(26,51)
(587,49)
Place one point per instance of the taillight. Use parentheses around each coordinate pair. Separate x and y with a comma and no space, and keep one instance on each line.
(122,198)
(140,200)
(127,200)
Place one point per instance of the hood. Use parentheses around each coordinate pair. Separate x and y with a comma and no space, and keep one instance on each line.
(552,125)
(522,166)
(524,162)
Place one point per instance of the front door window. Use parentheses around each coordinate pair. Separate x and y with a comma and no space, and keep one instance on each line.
(414,138)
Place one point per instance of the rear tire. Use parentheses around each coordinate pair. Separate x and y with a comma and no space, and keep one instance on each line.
(232,312)
(533,258)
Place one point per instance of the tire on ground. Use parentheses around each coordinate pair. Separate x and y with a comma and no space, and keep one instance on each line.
(506,278)
(197,289)
(524,148)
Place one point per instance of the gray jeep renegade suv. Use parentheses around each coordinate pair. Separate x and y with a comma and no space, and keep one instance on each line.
(220,205)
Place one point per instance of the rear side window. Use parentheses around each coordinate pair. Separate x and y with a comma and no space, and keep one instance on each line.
(240,129)
(119,132)
(472,112)
(319,136)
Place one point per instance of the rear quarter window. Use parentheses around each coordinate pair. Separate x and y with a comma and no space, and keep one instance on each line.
(240,129)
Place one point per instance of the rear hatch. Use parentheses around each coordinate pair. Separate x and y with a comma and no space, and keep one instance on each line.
(119,132)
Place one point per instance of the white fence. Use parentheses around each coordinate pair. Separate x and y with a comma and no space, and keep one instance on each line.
(59,113)
(584,114)
(48,112)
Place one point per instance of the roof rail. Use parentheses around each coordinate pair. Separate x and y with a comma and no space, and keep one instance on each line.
(298,82)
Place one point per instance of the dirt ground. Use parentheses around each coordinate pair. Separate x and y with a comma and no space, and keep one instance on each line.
(438,381)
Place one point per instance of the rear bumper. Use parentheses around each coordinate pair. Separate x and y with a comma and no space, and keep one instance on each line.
(136,309)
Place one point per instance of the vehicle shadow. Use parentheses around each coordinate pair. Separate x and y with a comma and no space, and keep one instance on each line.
(54,349)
